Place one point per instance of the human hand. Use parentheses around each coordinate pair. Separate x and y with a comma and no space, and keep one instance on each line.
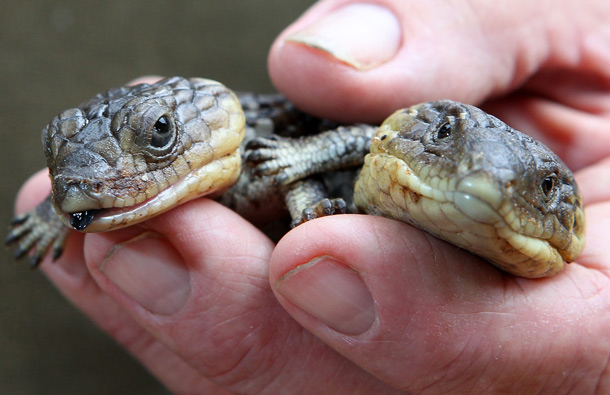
(194,305)
(445,321)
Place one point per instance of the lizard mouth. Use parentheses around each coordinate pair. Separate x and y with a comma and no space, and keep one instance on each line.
(103,219)
(80,221)
(211,179)
(98,220)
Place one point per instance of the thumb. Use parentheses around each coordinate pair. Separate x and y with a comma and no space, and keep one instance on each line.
(374,289)
(357,61)
(426,316)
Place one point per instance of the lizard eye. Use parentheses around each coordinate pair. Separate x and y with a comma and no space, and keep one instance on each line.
(444,131)
(162,132)
(548,186)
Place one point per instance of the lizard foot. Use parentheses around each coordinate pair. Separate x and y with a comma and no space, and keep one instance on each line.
(290,159)
(275,157)
(323,208)
(37,231)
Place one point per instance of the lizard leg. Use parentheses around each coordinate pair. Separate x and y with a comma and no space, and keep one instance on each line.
(38,230)
(289,159)
(307,199)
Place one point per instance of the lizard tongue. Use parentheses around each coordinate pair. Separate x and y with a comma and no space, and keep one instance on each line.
(81,220)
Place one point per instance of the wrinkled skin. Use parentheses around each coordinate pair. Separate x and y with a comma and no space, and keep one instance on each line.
(204,312)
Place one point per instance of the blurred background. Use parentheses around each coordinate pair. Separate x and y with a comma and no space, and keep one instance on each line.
(54,55)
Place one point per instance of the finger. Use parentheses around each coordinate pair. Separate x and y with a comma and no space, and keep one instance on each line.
(442,319)
(34,191)
(197,280)
(596,196)
(593,182)
(351,61)
(71,276)
(355,60)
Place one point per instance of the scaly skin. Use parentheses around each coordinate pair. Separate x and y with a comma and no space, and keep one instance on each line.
(468,178)
(451,169)
(135,152)
(463,176)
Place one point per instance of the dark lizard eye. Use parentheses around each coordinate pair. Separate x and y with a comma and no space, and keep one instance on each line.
(162,132)
(444,131)
(548,186)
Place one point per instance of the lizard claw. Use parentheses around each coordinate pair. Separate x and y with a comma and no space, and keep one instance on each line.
(37,231)
(279,158)
(323,208)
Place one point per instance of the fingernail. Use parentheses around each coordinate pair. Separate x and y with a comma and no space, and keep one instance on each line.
(360,35)
(332,292)
(149,270)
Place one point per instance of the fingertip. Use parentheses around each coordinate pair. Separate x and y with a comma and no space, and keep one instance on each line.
(328,273)
(359,282)
(327,61)
(393,260)
(359,66)
(145,266)
(33,191)
(156,265)
(330,291)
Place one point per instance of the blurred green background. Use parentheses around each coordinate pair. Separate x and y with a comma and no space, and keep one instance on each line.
(54,55)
